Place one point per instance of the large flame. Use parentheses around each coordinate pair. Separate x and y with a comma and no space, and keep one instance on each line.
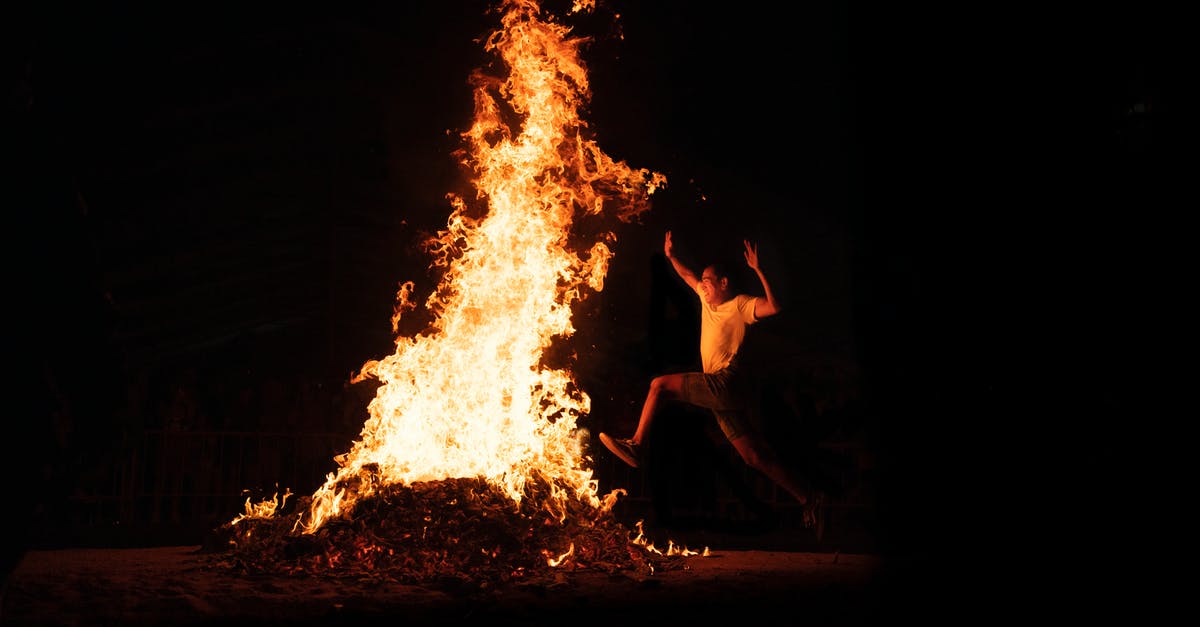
(471,396)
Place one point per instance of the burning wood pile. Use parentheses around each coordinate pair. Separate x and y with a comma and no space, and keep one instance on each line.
(507,495)
(461,533)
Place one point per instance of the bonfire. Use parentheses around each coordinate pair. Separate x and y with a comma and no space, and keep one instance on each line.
(472,466)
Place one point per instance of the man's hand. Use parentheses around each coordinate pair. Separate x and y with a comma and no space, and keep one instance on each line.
(684,273)
(767,306)
(751,253)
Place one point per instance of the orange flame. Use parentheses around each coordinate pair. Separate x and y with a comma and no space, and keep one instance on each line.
(265,508)
(672,548)
(470,396)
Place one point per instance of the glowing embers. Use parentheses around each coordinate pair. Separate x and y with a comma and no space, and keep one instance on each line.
(464,532)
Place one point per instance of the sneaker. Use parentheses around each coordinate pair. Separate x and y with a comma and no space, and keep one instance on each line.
(814,514)
(629,452)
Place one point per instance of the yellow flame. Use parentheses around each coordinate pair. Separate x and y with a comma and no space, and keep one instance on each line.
(557,561)
(265,508)
(672,548)
(471,396)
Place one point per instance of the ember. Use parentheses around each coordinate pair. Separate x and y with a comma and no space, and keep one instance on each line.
(464,533)
(471,465)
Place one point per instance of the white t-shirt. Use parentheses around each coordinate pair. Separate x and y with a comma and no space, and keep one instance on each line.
(722,329)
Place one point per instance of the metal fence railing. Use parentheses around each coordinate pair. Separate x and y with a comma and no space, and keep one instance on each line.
(187,479)
(186,482)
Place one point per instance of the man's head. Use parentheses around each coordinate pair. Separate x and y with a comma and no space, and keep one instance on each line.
(715,284)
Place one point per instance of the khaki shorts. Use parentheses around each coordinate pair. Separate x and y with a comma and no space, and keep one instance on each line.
(722,392)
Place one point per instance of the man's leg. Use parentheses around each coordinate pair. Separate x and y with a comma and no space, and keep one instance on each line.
(630,450)
(664,386)
(760,456)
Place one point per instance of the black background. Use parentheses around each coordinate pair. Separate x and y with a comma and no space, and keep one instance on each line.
(964,204)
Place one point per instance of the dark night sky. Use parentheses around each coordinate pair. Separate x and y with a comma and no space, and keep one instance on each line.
(938,191)
(235,177)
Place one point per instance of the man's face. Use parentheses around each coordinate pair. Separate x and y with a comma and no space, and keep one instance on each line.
(713,287)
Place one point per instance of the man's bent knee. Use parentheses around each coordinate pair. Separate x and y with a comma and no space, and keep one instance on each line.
(672,383)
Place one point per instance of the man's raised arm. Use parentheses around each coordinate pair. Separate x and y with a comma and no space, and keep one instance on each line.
(684,273)
(765,306)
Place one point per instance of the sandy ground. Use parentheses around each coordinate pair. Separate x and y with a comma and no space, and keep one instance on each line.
(178,586)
